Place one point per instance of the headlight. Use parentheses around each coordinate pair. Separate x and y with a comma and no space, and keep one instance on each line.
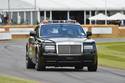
(49,49)
(88,47)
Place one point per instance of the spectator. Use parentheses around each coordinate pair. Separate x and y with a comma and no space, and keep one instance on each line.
(5,19)
(0,19)
(44,22)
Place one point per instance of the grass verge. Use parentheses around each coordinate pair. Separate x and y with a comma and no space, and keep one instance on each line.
(112,54)
(7,79)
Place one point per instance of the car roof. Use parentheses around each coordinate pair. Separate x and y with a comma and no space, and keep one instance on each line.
(73,22)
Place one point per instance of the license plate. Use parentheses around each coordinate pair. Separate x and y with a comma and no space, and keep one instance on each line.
(69,58)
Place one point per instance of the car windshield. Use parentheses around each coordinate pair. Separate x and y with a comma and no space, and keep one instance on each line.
(61,30)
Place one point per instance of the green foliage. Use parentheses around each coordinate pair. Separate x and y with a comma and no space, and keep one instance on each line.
(112,54)
(7,79)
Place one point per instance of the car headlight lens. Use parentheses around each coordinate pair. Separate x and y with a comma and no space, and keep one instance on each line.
(49,49)
(88,47)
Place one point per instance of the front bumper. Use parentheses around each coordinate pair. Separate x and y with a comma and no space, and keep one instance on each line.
(55,60)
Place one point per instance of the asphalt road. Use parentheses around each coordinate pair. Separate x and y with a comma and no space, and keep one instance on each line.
(12,62)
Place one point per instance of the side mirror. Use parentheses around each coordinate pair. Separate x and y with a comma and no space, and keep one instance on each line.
(33,33)
(88,34)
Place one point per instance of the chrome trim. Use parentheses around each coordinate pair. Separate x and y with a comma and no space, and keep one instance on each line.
(69,53)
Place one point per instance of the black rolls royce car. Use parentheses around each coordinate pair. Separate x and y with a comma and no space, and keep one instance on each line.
(61,44)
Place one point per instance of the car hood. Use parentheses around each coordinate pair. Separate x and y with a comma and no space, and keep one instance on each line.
(70,40)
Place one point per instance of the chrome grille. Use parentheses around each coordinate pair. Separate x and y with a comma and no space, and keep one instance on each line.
(69,49)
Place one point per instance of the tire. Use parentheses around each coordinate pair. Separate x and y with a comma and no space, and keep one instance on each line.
(29,63)
(92,68)
(39,66)
(78,67)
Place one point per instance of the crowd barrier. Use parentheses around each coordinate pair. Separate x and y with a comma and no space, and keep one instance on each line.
(15,31)
(98,31)
(105,31)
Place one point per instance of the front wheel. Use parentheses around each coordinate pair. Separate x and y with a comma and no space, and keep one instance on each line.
(92,67)
(29,63)
(39,65)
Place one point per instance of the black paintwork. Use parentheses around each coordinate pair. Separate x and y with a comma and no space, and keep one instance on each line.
(39,59)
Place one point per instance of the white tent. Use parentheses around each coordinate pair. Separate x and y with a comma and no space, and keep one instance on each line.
(78,4)
(64,4)
(117,16)
(14,4)
(47,5)
(99,16)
